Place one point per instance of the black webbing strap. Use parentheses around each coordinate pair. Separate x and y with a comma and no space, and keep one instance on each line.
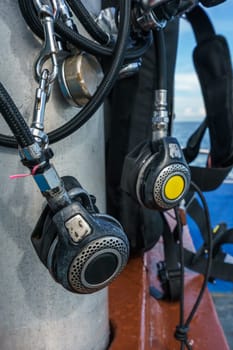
(194,142)
(196,212)
(209,179)
(213,65)
(202,26)
(169,272)
(169,269)
(220,268)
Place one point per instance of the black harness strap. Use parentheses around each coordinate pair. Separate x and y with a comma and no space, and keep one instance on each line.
(209,179)
(194,142)
(213,65)
(202,26)
(220,269)
(196,212)
(169,270)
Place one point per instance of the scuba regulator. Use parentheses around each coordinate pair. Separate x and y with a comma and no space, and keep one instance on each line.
(155,173)
(83,249)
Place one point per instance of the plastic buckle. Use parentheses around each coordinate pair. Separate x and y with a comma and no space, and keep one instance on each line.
(170,280)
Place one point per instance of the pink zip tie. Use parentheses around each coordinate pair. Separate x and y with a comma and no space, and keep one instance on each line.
(18,176)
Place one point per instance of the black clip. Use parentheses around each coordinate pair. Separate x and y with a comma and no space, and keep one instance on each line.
(170,280)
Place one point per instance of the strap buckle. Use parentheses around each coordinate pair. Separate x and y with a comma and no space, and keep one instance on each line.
(170,282)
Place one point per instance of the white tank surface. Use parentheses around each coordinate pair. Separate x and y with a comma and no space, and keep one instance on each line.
(36,312)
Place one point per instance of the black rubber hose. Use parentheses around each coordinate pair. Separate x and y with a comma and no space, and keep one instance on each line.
(161,61)
(95,49)
(105,87)
(30,16)
(14,119)
(29,13)
(108,81)
(88,22)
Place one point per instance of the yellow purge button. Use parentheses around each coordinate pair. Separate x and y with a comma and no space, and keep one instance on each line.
(174,187)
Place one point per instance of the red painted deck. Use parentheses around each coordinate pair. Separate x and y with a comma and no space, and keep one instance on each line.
(142,323)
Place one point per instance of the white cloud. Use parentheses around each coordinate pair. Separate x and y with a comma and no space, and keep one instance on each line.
(185,27)
(189,108)
(188,98)
(186,82)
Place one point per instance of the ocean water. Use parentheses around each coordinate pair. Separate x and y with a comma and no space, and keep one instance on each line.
(183,130)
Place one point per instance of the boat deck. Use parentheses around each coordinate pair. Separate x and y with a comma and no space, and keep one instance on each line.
(140,322)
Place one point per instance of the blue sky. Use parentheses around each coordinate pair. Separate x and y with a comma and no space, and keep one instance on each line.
(188,99)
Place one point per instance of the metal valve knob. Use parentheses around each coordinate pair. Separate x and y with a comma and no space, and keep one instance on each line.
(79,78)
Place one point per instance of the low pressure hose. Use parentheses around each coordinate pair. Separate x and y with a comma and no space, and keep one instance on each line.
(108,81)
(161,60)
(95,49)
(30,16)
(88,22)
(15,120)
(104,88)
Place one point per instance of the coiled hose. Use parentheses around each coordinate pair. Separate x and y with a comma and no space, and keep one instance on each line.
(104,88)
(14,119)
(30,16)
(95,49)
(65,33)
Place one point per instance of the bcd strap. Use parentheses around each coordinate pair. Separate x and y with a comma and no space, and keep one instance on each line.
(169,272)
(220,268)
(194,142)
(210,3)
(213,65)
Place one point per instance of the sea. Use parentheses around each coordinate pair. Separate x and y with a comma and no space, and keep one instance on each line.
(182,130)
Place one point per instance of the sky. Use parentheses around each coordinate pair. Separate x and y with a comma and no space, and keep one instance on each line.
(188,99)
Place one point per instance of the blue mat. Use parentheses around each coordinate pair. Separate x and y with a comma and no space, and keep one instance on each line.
(220,203)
